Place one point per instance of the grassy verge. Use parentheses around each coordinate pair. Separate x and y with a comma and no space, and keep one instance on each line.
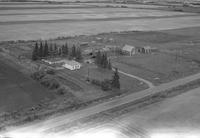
(111,114)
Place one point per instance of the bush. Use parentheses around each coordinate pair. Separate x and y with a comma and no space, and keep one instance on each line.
(50,71)
(61,91)
(38,75)
(96,82)
(54,85)
(106,85)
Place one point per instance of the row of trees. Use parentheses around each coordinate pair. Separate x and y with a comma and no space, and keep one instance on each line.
(43,50)
(108,84)
(103,61)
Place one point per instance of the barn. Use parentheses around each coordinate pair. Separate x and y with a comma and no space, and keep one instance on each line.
(129,50)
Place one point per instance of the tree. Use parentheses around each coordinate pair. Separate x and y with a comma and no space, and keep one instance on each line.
(51,48)
(35,52)
(41,52)
(73,51)
(115,80)
(63,50)
(66,51)
(105,85)
(55,51)
(98,58)
(46,49)
(78,54)
(105,61)
(102,60)
(59,51)
(109,65)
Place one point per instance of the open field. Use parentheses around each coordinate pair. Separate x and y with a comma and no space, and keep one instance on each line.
(175,117)
(50,21)
(87,15)
(18,90)
(157,68)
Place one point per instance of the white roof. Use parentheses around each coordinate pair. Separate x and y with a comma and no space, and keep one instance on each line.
(147,47)
(71,62)
(128,48)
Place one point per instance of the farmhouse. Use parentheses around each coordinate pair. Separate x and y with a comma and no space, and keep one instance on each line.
(71,64)
(130,50)
(52,61)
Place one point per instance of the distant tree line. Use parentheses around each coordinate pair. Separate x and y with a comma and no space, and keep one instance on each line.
(44,50)
(107,84)
(103,61)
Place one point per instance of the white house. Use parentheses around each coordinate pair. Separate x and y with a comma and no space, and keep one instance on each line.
(52,61)
(130,50)
(71,64)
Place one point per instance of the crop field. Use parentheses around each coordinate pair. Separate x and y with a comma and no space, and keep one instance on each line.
(35,21)
(85,14)
(174,117)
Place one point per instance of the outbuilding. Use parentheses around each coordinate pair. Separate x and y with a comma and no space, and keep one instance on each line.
(146,49)
(127,49)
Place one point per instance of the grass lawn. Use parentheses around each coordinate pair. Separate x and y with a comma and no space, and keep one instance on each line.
(127,83)
(157,68)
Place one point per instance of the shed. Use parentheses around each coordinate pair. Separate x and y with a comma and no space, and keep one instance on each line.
(146,49)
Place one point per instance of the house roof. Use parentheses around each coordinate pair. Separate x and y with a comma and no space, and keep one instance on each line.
(62,61)
(147,47)
(71,62)
(128,48)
